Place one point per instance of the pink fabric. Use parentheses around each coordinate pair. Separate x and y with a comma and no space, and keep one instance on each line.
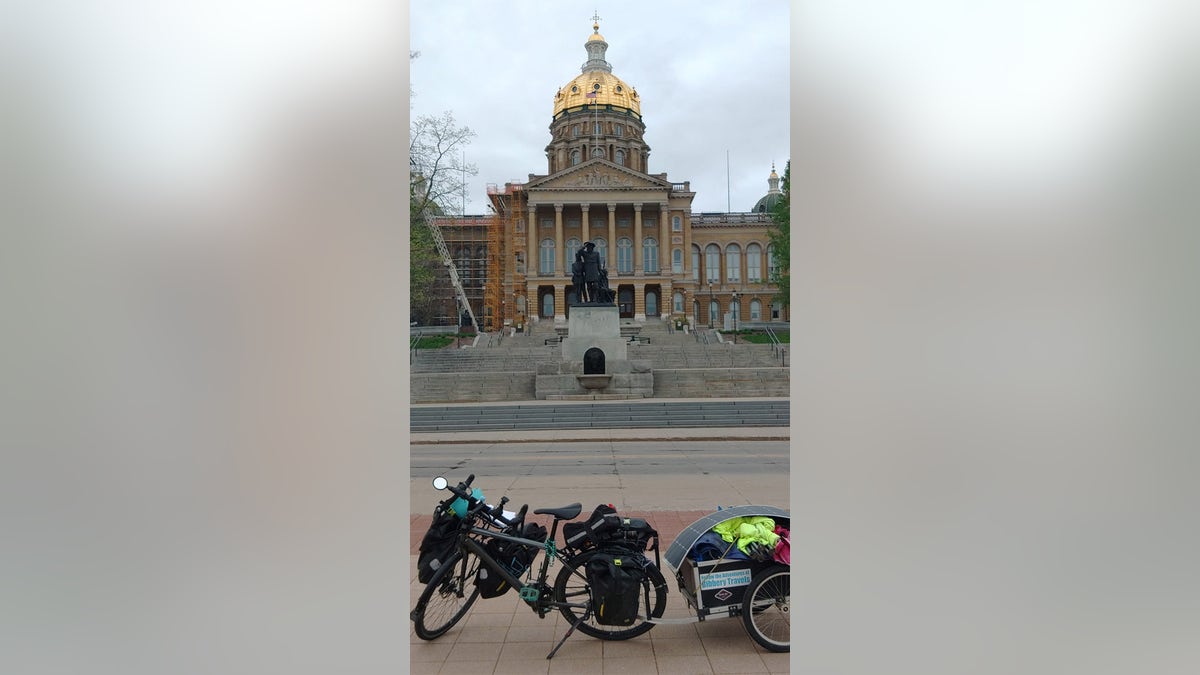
(783,549)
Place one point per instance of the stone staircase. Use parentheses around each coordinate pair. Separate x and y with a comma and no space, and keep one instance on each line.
(504,367)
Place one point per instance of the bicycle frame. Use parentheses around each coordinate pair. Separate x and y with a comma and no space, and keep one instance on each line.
(473,546)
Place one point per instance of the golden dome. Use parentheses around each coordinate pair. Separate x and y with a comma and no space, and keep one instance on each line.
(609,89)
(596,37)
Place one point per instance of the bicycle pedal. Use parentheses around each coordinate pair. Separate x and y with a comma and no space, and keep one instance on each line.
(530,594)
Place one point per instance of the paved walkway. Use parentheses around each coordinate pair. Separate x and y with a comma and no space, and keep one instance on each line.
(502,635)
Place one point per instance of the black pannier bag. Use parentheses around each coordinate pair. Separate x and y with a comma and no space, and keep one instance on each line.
(438,544)
(596,529)
(615,582)
(513,556)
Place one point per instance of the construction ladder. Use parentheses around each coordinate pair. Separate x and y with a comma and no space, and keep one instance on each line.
(459,293)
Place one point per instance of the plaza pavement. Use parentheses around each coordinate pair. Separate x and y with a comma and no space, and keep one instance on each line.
(502,635)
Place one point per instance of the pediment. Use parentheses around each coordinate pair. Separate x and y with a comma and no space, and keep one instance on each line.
(598,174)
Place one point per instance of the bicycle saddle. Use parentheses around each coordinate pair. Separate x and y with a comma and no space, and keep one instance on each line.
(563,512)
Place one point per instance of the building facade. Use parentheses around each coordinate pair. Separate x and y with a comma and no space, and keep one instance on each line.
(663,260)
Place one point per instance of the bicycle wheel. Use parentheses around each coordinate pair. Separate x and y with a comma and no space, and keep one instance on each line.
(766,608)
(572,586)
(447,597)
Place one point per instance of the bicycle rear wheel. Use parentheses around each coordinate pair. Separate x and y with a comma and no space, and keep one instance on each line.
(572,586)
(447,597)
(766,609)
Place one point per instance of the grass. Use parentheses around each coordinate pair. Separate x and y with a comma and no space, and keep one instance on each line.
(757,337)
(434,341)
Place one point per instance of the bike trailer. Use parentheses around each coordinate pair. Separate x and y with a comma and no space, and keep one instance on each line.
(717,587)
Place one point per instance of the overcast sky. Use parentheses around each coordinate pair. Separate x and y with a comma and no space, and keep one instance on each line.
(713,76)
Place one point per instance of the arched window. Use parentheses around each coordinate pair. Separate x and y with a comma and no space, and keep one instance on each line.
(678,303)
(733,263)
(772,265)
(624,255)
(712,263)
(713,310)
(597,152)
(754,263)
(573,245)
(677,261)
(602,248)
(755,310)
(620,157)
(546,259)
(695,263)
(650,255)
(574,157)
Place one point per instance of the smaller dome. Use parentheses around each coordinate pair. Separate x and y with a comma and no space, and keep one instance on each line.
(767,203)
(596,36)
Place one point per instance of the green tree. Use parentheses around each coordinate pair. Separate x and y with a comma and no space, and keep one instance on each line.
(781,239)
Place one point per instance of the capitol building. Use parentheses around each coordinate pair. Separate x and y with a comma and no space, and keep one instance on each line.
(664,261)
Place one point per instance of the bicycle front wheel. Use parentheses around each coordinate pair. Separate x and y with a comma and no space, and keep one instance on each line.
(572,586)
(766,609)
(447,597)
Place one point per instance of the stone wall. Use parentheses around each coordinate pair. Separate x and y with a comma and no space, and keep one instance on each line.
(667,383)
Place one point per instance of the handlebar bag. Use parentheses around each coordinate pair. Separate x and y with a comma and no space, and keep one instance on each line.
(615,582)
(437,545)
(515,558)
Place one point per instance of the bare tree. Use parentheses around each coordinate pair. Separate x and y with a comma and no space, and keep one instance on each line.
(437,170)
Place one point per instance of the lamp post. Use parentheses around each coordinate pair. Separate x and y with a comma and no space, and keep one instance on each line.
(710,303)
(734,309)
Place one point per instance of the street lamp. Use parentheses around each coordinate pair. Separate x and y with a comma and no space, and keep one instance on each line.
(734,309)
(710,303)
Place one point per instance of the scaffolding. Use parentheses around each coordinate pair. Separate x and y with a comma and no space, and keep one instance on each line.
(508,225)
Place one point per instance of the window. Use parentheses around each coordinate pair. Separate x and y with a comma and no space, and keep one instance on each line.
(597,128)
(695,263)
(546,260)
(650,255)
(733,263)
(602,248)
(713,311)
(676,224)
(677,304)
(755,310)
(623,222)
(677,261)
(620,157)
(650,223)
(712,263)
(575,131)
(573,246)
(462,262)
(573,222)
(624,255)
(547,222)
(574,157)
(754,263)
(597,152)
(772,265)
(619,129)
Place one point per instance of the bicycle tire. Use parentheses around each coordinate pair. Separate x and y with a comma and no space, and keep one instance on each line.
(766,608)
(571,586)
(449,594)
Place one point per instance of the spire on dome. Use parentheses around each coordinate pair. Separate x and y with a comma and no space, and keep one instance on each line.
(596,47)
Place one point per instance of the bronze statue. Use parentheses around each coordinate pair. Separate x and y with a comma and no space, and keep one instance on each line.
(595,277)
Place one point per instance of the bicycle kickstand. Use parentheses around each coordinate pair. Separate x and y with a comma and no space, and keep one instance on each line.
(582,617)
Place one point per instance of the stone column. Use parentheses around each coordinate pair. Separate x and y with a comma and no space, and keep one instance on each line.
(558,242)
(664,241)
(612,244)
(587,232)
(638,263)
(531,249)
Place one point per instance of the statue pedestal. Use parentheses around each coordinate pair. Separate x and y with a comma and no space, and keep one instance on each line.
(594,335)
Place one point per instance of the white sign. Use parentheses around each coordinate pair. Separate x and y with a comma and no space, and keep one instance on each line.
(724,579)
